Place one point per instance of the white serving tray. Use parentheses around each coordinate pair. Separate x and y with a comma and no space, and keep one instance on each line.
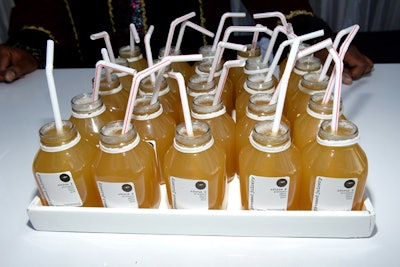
(230,222)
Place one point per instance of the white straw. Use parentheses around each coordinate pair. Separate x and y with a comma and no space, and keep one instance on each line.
(144,73)
(106,64)
(184,101)
(106,37)
(221,25)
(342,52)
(338,37)
(232,29)
(149,54)
(338,87)
(193,26)
(104,53)
(174,23)
(282,46)
(52,86)
(218,55)
(271,15)
(224,75)
(283,83)
(278,29)
(133,37)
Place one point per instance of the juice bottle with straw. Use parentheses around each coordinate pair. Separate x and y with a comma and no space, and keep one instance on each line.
(305,127)
(125,169)
(134,57)
(182,67)
(302,66)
(253,66)
(124,78)
(222,127)
(199,85)
(258,109)
(155,127)
(204,68)
(113,96)
(270,170)
(207,53)
(335,169)
(308,85)
(172,84)
(235,72)
(62,167)
(89,116)
(169,101)
(254,84)
(194,170)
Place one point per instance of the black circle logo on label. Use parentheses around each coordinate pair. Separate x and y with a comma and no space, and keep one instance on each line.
(126,188)
(65,178)
(200,185)
(349,184)
(281,182)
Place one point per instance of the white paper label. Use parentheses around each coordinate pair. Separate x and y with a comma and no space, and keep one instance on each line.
(268,193)
(118,195)
(334,193)
(59,189)
(189,194)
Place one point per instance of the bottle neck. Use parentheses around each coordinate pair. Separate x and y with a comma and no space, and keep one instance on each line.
(259,107)
(345,135)
(264,139)
(146,87)
(83,106)
(198,85)
(256,84)
(54,140)
(145,110)
(203,107)
(113,140)
(311,84)
(201,139)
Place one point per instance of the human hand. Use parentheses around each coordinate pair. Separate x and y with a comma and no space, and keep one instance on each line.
(15,63)
(356,65)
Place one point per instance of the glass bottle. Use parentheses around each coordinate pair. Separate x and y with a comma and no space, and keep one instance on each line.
(204,68)
(222,127)
(198,85)
(335,169)
(235,72)
(62,168)
(171,104)
(135,58)
(253,66)
(89,116)
(258,109)
(125,169)
(183,67)
(155,127)
(302,66)
(270,170)
(308,85)
(113,96)
(254,84)
(305,127)
(194,170)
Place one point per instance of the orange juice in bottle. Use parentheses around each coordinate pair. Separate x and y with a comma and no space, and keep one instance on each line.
(125,169)
(235,72)
(113,95)
(335,169)
(302,66)
(135,58)
(258,109)
(308,85)
(62,167)
(183,67)
(254,84)
(155,127)
(305,127)
(169,101)
(254,65)
(204,68)
(270,170)
(199,85)
(222,127)
(194,170)
(89,116)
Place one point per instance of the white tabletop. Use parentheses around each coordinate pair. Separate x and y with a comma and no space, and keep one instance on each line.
(25,106)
